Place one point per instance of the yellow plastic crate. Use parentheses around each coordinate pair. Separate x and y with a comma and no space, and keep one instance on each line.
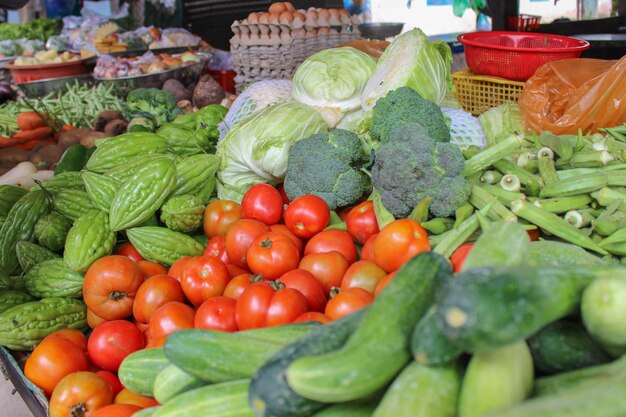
(479,93)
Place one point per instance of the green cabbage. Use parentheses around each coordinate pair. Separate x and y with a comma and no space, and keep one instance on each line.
(332,81)
(411,60)
(255,150)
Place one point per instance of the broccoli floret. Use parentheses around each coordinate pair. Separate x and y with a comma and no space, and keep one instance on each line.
(153,104)
(327,165)
(403,106)
(412,166)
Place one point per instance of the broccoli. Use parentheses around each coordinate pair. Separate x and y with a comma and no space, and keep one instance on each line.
(412,166)
(327,165)
(153,104)
(402,106)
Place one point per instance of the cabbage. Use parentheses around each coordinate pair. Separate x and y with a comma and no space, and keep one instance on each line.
(255,150)
(411,60)
(332,81)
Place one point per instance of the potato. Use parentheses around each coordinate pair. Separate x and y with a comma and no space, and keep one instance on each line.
(207,91)
(71,137)
(115,128)
(177,89)
(45,157)
(88,140)
(13,156)
(105,117)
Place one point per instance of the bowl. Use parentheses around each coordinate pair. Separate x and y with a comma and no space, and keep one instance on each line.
(381,30)
(41,88)
(26,73)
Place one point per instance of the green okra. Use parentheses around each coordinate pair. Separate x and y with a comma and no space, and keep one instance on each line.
(505,197)
(491,177)
(618,237)
(607,225)
(463,213)
(508,167)
(493,153)
(575,185)
(438,225)
(580,172)
(563,148)
(480,197)
(578,218)
(589,159)
(616,178)
(533,189)
(547,170)
(564,204)
(454,238)
(528,161)
(606,196)
(511,183)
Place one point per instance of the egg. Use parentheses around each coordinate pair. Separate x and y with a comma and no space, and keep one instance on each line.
(253,18)
(277,8)
(333,12)
(344,12)
(299,16)
(264,18)
(323,13)
(286,17)
(289,7)
(311,14)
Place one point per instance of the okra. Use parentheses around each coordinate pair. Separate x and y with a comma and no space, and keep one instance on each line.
(507,167)
(454,238)
(438,225)
(504,196)
(607,225)
(493,153)
(618,237)
(606,196)
(481,197)
(564,204)
(547,171)
(528,161)
(581,172)
(562,148)
(511,183)
(491,177)
(532,188)
(575,185)
(463,213)
(554,224)
(616,178)
(588,159)
(578,219)
(618,248)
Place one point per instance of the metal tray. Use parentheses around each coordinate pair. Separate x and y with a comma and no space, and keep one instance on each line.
(41,88)
(33,397)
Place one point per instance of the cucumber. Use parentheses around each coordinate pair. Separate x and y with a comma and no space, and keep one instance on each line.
(429,345)
(172,381)
(228,399)
(550,252)
(565,346)
(218,356)
(422,391)
(283,334)
(139,370)
(496,378)
(379,348)
(271,396)
(602,308)
(351,409)
(146,412)
(489,307)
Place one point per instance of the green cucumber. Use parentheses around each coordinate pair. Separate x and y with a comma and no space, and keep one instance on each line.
(351,409)
(422,391)
(172,381)
(489,307)
(550,252)
(271,396)
(73,159)
(351,373)
(602,310)
(565,346)
(139,370)
(146,412)
(429,345)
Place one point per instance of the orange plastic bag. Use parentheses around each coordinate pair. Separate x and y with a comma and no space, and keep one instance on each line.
(566,95)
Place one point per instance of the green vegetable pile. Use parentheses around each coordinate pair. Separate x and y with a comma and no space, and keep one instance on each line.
(40,29)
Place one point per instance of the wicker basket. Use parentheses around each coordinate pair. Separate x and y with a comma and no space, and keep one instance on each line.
(479,93)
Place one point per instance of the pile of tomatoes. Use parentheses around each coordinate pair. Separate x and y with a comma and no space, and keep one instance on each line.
(268,262)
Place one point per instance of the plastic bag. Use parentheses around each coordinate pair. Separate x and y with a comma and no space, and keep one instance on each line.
(566,95)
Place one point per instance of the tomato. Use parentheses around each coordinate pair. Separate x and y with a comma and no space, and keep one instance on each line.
(398,242)
(361,222)
(153,293)
(234,270)
(262,202)
(111,341)
(127,249)
(52,360)
(80,393)
(313,316)
(112,379)
(363,274)
(308,285)
(367,251)
(110,286)
(458,256)
(217,247)
(176,270)
(265,304)
(93,319)
(127,396)
(330,240)
(240,237)
(169,318)
(283,194)
(204,277)
(118,410)
(307,215)
(272,255)
(348,301)
(217,313)
(219,216)
(281,228)
(235,286)
(150,269)
(383,283)
(534,234)
(73,335)
(328,268)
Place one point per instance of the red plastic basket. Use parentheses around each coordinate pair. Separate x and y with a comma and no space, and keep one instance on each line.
(516,55)
(523,22)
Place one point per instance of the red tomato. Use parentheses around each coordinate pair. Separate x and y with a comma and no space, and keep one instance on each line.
(81,390)
(150,269)
(328,268)
(272,254)
(240,237)
(110,286)
(363,274)
(534,234)
(127,396)
(73,335)
(281,228)
(330,240)
(217,247)
(127,249)
(283,194)
(347,302)
(458,257)
(52,360)
(361,222)
(217,313)
(111,341)
(117,410)
(234,270)
(266,304)
(308,285)
(313,316)
(307,215)
(367,251)
(204,277)
(112,379)
(398,242)
(176,270)
(262,202)
(169,318)
(93,319)
(383,283)
(153,293)
(235,286)
(219,216)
